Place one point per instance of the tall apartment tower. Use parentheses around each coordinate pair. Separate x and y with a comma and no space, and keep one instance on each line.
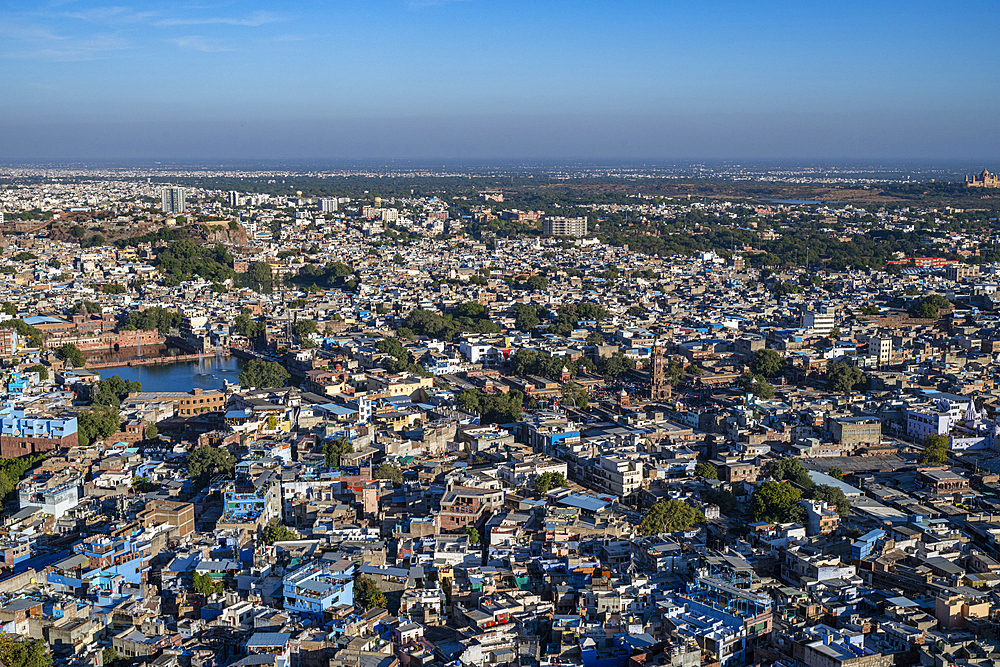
(172,200)
(556,226)
(234,198)
(327,205)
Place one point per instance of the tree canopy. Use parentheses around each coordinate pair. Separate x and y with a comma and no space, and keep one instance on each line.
(843,377)
(32,334)
(669,516)
(777,501)
(756,385)
(935,450)
(334,449)
(788,469)
(767,363)
(388,471)
(205,462)
(154,318)
(112,390)
(263,374)
(929,307)
(367,594)
(100,423)
(615,367)
(549,480)
(23,652)
(205,585)
(833,496)
(706,470)
(71,353)
(496,408)
(182,260)
(526,317)
(275,532)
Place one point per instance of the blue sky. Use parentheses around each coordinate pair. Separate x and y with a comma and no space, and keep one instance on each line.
(499,79)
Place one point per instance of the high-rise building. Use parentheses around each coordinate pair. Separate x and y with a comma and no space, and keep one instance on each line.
(172,200)
(820,321)
(327,205)
(234,198)
(556,226)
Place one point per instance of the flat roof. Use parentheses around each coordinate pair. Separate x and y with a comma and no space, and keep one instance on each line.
(583,502)
(44,319)
(822,478)
(268,639)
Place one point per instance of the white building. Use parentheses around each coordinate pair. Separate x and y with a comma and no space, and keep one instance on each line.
(819,322)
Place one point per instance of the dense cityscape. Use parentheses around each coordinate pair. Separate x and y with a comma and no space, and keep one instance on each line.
(721,415)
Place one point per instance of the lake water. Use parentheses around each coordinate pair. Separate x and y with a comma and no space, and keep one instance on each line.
(210,373)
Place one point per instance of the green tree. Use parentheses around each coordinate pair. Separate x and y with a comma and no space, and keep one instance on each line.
(368,595)
(549,480)
(275,532)
(574,394)
(155,318)
(100,423)
(767,363)
(837,473)
(788,469)
(9,309)
(833,496)
(259,272)
(843,377)
(389,472)
(725,500)
(144,485)
(756,385)
(615,367)
(43,372)
(473,533)
(775,501)
(706,470)
(525,317)
(334,449)
(13,470)
(108,656)
(23,652)
(205,585)
(113,288)
(497,408)
(205,462)
(72,354)
(262,374)
(245,326)
(669,516)
(304,328)
(152,433)
(929,307)
(112,390)
(183,259)
(537,283)
(935,450)
(91,306)
(636,311)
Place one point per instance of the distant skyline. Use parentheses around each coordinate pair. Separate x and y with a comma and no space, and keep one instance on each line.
(485,79)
